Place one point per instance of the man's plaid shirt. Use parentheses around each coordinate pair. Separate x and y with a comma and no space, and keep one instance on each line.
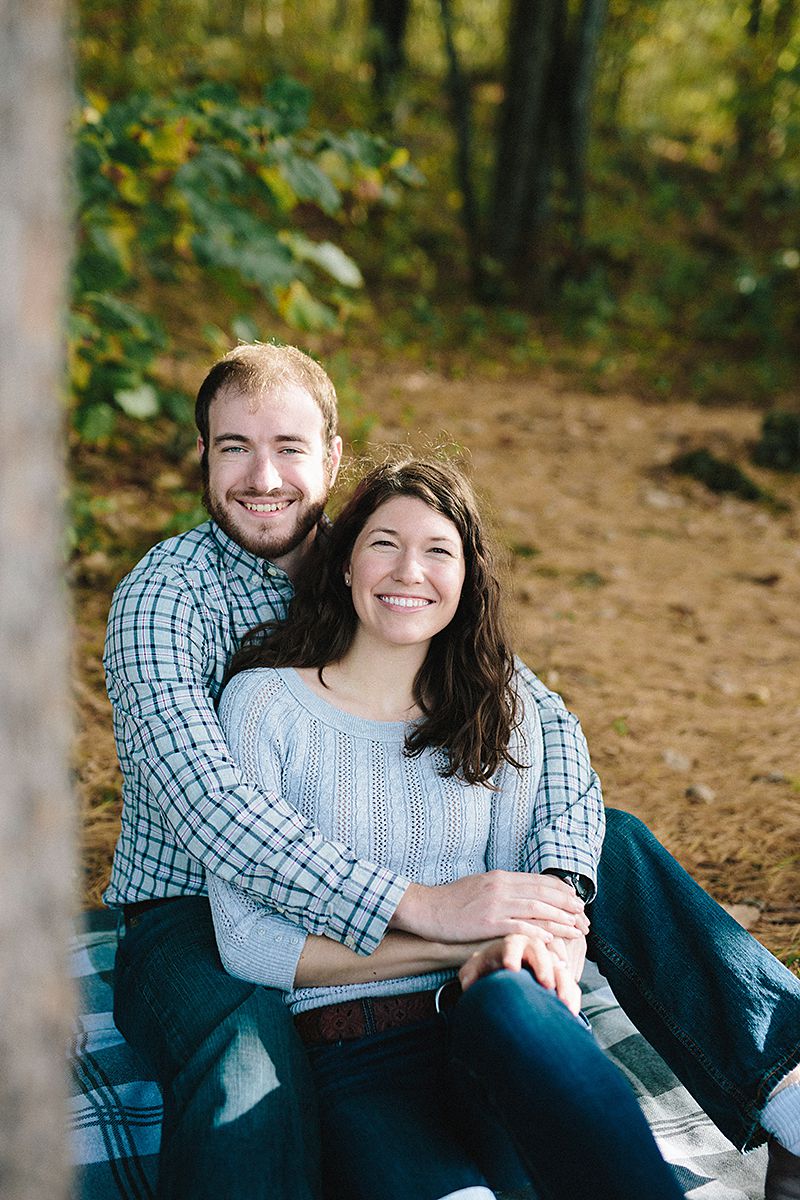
(175,621)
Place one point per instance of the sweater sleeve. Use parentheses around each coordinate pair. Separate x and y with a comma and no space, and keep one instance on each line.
(254,943)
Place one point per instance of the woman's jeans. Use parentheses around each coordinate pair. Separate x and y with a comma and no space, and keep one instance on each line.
(404,1113)
(239,1108)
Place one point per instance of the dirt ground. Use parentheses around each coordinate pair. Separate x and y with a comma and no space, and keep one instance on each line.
(667,617)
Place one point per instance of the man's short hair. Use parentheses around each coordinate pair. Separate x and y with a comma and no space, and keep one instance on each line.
(262,368)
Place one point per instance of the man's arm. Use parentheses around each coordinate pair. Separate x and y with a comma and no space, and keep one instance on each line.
(159,651)
(566,834)
(261,946)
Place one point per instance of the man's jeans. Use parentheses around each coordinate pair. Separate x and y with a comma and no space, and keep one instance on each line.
(405,1113)
(240,1117)
(717,1006)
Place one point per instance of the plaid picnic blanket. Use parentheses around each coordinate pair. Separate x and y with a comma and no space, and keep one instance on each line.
(115,1120)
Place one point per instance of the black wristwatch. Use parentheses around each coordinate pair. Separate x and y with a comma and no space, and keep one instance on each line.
(583,887)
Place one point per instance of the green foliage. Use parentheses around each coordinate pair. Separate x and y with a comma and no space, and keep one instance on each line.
(779,445)
(203,184)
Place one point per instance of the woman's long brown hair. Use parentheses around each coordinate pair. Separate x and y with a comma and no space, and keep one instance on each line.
(465,687)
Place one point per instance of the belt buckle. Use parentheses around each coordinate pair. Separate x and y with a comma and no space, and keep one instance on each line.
(440,993)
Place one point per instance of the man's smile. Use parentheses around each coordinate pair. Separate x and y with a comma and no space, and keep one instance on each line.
(272,506)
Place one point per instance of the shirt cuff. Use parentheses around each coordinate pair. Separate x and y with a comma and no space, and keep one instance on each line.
(359,915)
(575,857)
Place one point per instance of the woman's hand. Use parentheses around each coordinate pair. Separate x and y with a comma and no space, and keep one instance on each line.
(539,954)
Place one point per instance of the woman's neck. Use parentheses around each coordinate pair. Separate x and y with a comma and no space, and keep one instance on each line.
(370,681)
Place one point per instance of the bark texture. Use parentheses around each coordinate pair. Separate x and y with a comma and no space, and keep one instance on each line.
(36,820)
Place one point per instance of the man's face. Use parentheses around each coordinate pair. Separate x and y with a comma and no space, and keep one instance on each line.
(269,471)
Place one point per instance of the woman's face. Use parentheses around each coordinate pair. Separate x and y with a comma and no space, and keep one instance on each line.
(406,572)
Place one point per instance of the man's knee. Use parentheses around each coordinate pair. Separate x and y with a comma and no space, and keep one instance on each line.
(252,1052)
(624,826)
(628,842)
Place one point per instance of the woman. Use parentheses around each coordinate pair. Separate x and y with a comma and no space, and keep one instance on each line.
(387,709)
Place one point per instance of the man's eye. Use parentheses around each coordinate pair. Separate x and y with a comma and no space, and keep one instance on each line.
(232,450)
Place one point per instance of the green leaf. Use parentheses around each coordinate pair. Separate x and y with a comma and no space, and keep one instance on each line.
(95,423)
(327,257)
(140,403)
(299,308)
(310,183)
(244,328)
(291,101)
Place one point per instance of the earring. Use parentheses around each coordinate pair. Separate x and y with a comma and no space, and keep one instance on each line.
(347,578)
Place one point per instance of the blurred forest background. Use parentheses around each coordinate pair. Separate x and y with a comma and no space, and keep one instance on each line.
(566,228)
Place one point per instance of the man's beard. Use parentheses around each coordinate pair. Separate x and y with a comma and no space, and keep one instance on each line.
(265,544)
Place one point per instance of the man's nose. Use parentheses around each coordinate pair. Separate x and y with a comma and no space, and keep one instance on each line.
(264,474)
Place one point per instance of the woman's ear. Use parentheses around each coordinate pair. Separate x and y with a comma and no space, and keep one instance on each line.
(347,575)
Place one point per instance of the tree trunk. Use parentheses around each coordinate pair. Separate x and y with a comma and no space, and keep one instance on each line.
(36,829)
(580,88)
(768,34)
(388,21)
(522,150)
(460,103)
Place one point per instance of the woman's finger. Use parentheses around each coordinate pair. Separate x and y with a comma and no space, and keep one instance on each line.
(567,989)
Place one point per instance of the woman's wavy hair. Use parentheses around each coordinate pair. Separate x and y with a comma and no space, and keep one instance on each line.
(465,687)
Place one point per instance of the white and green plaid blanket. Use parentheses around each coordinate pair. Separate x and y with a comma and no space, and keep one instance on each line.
(116,1106)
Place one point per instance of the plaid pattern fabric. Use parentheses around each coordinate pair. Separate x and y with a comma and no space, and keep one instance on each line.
(175,621)
(187,807)
(569,788)
(116,1107)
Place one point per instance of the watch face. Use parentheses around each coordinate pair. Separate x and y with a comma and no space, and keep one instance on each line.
(581,888)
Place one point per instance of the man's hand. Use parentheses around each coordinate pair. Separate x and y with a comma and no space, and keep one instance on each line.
(517,950)
(492,905)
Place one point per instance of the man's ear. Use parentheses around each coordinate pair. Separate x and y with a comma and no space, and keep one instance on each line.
(200,446)
(334,458)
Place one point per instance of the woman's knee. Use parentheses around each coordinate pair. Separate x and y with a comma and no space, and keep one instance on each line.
(505,1009)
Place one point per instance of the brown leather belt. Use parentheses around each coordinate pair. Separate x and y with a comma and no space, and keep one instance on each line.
(359,1018)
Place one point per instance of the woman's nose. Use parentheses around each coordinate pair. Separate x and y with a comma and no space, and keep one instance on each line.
(408,568)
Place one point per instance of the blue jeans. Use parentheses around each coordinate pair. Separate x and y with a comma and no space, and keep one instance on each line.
(718,1007)
(240,1117)
(398,1109)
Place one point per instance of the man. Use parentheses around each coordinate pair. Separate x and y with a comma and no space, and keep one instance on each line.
(238,1106)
